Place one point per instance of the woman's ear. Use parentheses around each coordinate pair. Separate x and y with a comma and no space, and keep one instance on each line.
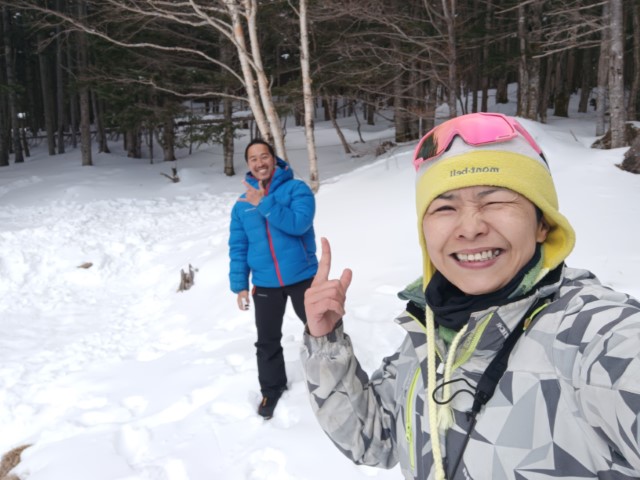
(542,231)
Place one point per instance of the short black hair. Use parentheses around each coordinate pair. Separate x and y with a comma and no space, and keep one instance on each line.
(258,141)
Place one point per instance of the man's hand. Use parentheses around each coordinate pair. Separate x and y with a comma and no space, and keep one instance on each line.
(243,300)
(253,195)
(324,300)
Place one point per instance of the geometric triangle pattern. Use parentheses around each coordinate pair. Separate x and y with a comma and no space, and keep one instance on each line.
(567,407)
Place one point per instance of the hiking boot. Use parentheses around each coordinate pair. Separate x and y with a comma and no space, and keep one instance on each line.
(267,406)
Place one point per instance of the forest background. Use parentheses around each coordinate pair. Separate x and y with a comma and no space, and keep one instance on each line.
(76,73)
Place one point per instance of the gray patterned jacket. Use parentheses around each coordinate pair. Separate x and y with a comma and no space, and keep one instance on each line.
(568,405)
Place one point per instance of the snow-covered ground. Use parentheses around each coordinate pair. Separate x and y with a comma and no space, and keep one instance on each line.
(112,374)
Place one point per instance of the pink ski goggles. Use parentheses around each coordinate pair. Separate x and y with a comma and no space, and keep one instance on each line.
(475,129)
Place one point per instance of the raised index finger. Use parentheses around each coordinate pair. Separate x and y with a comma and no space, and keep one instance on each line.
(324,265)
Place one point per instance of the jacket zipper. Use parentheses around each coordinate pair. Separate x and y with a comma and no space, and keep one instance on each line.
(273,255)
(273,251)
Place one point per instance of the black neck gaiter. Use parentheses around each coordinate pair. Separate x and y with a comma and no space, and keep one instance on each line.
(451,306)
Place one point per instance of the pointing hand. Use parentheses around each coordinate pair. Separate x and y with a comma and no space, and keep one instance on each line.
(325,299)
(253,195)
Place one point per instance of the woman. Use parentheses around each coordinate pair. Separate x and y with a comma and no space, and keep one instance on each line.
(514,365)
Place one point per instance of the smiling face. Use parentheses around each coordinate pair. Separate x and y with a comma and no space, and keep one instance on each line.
(260,162)
(479,238)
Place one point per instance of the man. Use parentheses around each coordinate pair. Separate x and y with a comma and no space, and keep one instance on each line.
(514,366)
(272,240)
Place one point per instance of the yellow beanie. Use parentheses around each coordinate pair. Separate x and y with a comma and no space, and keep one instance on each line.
(513,164)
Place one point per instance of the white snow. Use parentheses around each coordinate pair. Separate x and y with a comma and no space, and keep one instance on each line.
(111,374)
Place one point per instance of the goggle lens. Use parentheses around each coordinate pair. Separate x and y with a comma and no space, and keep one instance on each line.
(475,129)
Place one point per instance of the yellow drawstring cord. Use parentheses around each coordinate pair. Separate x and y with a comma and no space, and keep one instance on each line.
(445,414)
(440,417)
(431,385)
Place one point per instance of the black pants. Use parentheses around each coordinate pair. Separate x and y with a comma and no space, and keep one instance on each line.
(270,305)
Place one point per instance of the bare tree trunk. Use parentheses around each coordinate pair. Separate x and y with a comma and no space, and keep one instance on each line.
(449,11)
(485,56)
(85,99)
(634,91)
(562,93)
(251,9)
(101,134)
(357,119)
(523,78)
(603,72)
(168,140)
(430,106)
(334,122)
(150,136)
(47,95)
(586,79)
(227,137)
(307,93)
(529,26)
(371,110)
(5,118)
(73,103)
(4,132)
(399,114)
(25,143)
(616,76)
(11,83)
(60,82)
(413,103)
(533,66)
(423,110)
(85,126)
(325,109)
(502,92)
(228,144)
(547,88)
(247,72)
(132,142)
(262,104)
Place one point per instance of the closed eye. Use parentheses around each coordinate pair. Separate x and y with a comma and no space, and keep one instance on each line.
(498,204)
(443,208)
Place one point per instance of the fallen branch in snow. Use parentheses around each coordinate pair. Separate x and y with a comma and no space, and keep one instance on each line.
(186,279)
(574,136)
(174,175)
(9,461)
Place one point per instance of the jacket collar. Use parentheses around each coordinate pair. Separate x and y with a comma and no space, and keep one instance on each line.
(487,329)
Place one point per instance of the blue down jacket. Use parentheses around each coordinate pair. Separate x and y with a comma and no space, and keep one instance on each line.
(275,241)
